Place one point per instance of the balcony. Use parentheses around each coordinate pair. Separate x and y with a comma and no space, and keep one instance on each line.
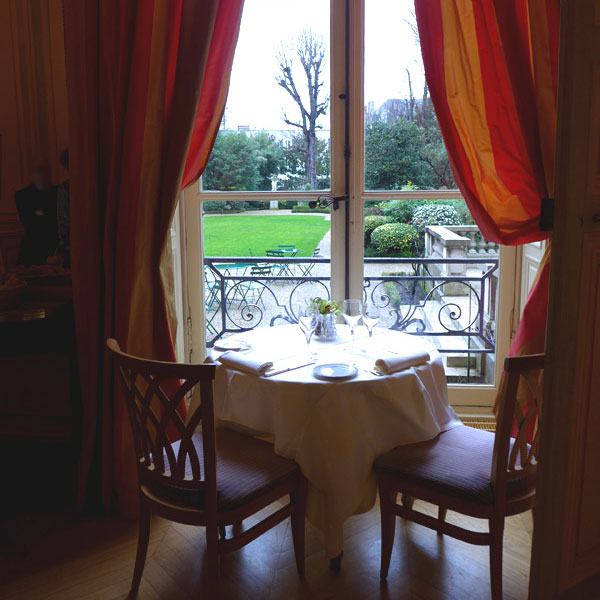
(448,296)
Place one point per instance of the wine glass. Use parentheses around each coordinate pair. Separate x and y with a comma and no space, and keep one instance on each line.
(370,316)
(352,313)
(307,321)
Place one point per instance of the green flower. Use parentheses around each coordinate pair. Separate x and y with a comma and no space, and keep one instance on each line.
(325,307)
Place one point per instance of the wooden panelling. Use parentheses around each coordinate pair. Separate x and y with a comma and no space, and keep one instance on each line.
(566,542)
(594,164)
(583,540)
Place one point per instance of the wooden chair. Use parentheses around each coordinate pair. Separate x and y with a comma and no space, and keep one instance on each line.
(471,471)
(213,478)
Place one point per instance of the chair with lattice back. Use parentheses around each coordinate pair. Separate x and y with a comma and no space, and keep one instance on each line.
(470,471)
(209,477)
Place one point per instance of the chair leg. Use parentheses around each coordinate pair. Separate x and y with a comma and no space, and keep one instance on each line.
(496,544)
(441,516)
(298,500)
(142,548)
(388,527)
(212,556)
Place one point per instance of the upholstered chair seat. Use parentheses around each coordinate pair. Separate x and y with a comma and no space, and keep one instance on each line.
(456,463)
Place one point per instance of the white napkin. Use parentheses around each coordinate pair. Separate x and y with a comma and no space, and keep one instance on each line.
(391,363)
(245,363)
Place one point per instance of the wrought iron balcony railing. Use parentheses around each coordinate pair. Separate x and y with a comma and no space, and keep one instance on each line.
(449,300)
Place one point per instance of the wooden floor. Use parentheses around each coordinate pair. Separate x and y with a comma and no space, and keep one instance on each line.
(63,558)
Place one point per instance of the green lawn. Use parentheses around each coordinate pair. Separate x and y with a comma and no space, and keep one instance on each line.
(240,235)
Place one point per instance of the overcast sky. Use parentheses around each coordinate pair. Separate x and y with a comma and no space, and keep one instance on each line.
(270,25)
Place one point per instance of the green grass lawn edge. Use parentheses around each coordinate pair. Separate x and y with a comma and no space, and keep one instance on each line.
(252,235)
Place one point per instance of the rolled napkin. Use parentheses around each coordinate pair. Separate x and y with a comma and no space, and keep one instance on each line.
(392,363)
(245,363)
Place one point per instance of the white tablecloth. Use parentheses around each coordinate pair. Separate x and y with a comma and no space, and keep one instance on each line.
(334,431)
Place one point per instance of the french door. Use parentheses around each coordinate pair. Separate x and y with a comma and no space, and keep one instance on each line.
(379,158)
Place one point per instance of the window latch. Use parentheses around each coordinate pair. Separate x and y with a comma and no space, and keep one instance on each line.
(326,200)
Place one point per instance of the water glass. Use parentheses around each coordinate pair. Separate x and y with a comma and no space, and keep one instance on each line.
(352,313)
(307,321)
(370,316)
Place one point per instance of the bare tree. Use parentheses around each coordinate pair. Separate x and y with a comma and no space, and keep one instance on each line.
(414,29)
(411,98)
(310,51)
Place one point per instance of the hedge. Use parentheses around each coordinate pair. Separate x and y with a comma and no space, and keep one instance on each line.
(395,239)
(371,223)
(435,214)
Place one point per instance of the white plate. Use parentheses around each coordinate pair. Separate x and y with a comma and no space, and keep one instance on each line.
(335,372)
(231,344)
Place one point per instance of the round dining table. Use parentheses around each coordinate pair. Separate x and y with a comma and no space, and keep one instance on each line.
(335,430)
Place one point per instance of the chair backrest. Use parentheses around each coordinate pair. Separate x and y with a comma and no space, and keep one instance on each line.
(209,276)
(260,270)
(277,253)
(154,391)
(517,432)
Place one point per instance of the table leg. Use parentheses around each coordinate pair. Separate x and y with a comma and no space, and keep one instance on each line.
(335,563)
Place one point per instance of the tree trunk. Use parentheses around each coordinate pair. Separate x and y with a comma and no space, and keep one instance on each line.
(311,158)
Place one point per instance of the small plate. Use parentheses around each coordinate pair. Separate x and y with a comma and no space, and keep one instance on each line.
(335,372)
(231,344)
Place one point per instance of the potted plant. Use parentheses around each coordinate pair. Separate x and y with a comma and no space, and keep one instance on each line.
(326,311)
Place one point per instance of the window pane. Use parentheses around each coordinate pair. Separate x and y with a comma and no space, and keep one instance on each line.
(275,131)
(429,272)
(403,144)
(260,262)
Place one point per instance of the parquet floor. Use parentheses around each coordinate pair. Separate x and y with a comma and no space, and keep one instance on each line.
(68,558)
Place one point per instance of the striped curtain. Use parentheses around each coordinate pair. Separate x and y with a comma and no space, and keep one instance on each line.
(141,78)
(492,71)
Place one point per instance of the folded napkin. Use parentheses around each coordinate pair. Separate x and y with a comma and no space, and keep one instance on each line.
(245,363)
(391,363)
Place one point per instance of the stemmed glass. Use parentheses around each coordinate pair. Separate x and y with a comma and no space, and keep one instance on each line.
(352,313)
(370,317)
(307,321)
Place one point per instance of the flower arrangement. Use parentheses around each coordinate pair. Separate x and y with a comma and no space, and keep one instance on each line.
(325,307)
(326,311)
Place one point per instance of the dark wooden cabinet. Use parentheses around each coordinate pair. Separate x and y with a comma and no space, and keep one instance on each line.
(38,373)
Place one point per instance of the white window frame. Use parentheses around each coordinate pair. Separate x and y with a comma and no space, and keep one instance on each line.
(475,398)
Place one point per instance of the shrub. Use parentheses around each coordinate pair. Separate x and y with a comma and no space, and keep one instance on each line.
(257,205)
(434,213)
(287,204)
(393,290)
(217,206)
(395,239)
(464,214)
(400,211)
(372,208)
(304,208)
(371,223)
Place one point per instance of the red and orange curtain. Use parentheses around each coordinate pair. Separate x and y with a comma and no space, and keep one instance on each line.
(492,71)
(144,80)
